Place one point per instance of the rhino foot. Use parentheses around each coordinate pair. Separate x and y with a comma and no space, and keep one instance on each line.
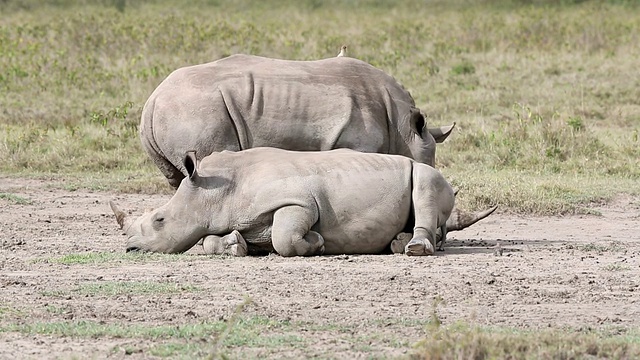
(232,244)
(419,247)
(401,240)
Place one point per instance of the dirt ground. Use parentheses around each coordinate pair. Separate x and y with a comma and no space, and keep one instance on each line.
(577,271)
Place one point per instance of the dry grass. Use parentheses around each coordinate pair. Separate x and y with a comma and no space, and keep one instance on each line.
(462,341)
(542,91)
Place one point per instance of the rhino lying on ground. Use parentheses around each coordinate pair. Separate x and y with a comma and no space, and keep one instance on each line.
(297,204)
(244,101)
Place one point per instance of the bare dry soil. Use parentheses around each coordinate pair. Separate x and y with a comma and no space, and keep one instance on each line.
(576,271)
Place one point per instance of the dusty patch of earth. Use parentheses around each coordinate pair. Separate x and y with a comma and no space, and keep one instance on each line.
(577,271)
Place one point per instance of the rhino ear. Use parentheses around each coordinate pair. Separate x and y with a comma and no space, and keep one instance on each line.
(441,133)
(417,121)
(190,164)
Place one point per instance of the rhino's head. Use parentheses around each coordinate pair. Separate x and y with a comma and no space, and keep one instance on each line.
(174,227)
(422,140)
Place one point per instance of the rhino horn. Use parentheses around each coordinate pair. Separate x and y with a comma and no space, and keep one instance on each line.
(441,133)
(121,217)
(461,219)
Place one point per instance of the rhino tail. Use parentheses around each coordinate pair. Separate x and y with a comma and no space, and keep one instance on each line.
(461,219)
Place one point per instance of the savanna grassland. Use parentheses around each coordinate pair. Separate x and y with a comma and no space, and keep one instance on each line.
(545,95)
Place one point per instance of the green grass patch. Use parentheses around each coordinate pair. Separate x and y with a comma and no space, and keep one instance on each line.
(462,341)
(616,267)
(16,199)
(199,339)
(537,193)
(55,310)
(113,258)
(93,329)
(612,246)
(9,311)
(116,288)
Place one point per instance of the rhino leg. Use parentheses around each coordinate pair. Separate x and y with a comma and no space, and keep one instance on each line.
(420,244)
(441,237)
(433,200)
(231,244)
(398,244)
(291,234)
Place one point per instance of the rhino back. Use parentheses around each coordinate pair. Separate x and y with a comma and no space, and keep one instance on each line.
(363,199)
(247,101)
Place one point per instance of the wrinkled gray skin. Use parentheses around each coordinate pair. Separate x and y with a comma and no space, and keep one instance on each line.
(245,101)
(298,203)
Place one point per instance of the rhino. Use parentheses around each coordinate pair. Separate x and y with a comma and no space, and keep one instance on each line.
(297,204)
(244,101)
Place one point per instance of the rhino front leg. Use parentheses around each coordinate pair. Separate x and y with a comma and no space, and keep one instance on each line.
(433,200)
(401,240)
(291,234)
(231,244)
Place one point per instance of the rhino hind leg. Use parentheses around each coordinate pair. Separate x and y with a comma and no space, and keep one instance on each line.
(401,240)
(231,244)
(291,234)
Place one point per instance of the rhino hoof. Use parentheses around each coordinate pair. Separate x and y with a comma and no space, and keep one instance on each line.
(419,247)
(231,244)
(397,246)
(401,240)
(238,250)
(235,244)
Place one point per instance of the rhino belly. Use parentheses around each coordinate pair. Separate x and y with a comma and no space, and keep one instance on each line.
(366,228)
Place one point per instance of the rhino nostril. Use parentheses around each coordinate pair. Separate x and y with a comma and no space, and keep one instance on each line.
(133,248)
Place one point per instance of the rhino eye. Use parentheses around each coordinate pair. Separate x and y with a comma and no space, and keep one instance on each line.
(158,223)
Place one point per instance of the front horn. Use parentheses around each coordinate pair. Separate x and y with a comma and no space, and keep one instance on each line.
(461,219)
(121,217)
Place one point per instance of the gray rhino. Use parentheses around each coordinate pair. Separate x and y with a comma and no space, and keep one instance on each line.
(244,101)
(298,204)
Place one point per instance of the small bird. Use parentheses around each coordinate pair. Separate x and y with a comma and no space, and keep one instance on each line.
(343,51)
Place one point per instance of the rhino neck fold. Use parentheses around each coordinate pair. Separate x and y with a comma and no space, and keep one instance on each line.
(237,121)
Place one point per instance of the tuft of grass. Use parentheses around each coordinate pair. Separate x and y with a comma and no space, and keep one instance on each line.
(616,267)
(461,341)
(116,288)
(57,310)
(613,246)
(111,258)
(544,143)
(94,329)
(8,310)
(215,350)
(182,340)
(466,341)
(463,68)
(535,193)
(16,199)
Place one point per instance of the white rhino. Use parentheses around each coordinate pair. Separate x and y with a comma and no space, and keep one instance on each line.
(298,204)
(245,101)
